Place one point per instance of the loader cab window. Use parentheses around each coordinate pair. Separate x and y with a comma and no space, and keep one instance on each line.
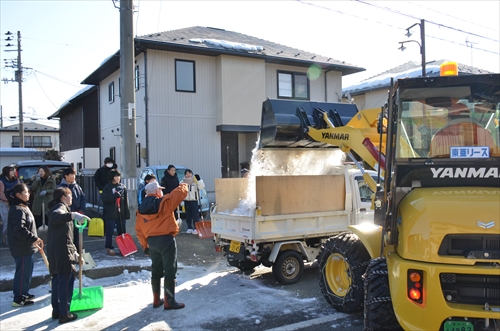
(434,121)
(293,85)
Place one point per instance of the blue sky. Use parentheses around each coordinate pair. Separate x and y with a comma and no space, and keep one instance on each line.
(65,41)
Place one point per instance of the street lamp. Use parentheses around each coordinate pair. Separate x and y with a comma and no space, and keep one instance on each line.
(421,44)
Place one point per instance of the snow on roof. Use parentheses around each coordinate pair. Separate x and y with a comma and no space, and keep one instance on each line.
(385,79)
(83,90)
(229,45)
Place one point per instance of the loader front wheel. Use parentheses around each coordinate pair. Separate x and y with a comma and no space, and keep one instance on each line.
(288,267)
(342,262)
(379,314)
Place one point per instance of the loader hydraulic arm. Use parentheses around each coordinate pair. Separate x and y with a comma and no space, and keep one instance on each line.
(346,138)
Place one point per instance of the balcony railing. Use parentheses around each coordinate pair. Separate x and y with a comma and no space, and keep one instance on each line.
(33,145)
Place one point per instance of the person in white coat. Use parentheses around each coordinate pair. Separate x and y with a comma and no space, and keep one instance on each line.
(191,203)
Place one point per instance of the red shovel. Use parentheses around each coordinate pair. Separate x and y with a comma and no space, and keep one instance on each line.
(124,241)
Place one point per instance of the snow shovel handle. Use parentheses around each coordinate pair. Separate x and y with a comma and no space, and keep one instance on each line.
(80,227)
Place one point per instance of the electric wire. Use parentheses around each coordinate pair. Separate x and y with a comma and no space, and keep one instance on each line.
(58,79)
(430,22)
(445,14)
(34,73)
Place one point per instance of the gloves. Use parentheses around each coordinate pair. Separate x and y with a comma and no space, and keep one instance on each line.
(79,217)
(42,193)
(146,251)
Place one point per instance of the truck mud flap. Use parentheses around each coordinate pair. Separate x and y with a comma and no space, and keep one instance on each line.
(232,256)
(281,127)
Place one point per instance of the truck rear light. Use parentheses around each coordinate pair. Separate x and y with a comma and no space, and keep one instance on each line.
(253,256)
(218,249)
(415,287)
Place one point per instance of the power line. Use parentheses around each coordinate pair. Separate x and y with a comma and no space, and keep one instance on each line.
(390,25)
(58,79)
(445,14)
(34,73)
(344,13)
(430,22)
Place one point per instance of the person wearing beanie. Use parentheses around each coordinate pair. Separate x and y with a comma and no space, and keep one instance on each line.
(111,192)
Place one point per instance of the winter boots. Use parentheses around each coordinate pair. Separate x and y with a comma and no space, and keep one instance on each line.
(156,285)
(170,302)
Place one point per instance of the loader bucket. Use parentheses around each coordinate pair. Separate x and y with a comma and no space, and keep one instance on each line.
(281,127)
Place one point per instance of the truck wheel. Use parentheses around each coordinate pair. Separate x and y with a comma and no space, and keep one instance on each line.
(342,262)
(288,267)
(379,314)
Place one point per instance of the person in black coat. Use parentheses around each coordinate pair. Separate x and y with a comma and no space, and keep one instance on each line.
(101,176)
(23,242)
(169,180)
(62,253)
(113,191)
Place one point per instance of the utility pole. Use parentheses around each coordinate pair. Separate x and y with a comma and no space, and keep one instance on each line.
(127,100)
(19,80)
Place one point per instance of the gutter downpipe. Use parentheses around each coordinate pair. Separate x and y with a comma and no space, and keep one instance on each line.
(146,99)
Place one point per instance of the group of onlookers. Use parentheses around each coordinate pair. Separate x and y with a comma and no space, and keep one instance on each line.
(58,206)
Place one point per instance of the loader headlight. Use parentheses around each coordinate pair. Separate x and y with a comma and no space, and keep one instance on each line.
(415,285)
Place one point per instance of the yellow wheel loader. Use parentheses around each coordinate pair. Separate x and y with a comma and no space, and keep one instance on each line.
(431,261)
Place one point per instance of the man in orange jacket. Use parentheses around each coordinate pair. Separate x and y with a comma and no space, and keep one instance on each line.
(156,228)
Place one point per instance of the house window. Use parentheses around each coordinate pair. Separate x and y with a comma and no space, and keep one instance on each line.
(111,92)
(120,87)
(16,141)
(184,76)
(112,153)
(293,85)
(136,82)
(42,141)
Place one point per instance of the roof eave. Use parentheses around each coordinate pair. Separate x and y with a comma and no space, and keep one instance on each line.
(113,63)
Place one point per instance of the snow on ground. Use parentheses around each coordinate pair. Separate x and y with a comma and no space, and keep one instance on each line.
(210,294)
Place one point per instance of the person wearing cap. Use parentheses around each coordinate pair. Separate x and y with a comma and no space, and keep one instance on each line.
(142,192)
(156,229)
(244,173)
(110,193)
(101,175)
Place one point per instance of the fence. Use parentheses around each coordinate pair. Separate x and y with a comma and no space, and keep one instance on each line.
(86,182)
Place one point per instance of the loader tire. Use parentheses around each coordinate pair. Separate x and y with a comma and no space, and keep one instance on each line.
(342,262)
(288,267)
(379,314)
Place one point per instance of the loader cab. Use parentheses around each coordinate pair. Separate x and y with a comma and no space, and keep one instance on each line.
(442,133)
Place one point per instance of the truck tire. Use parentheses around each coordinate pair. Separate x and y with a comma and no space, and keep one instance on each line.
(379,314)
(342,262)
(288,267)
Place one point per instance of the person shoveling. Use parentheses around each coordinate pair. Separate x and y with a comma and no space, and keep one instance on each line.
(61,253)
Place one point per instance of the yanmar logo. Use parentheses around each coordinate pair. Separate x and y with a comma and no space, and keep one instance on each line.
(336,136)
(465,173)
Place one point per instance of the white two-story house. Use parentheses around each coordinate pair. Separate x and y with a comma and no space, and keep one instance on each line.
(199,94)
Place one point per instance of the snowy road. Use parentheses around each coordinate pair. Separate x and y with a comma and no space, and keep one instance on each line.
(216,298)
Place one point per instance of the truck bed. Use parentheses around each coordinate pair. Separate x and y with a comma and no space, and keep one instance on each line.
(280,207)
(279,227)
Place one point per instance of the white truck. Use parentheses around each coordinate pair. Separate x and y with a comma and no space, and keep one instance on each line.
(293,215)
